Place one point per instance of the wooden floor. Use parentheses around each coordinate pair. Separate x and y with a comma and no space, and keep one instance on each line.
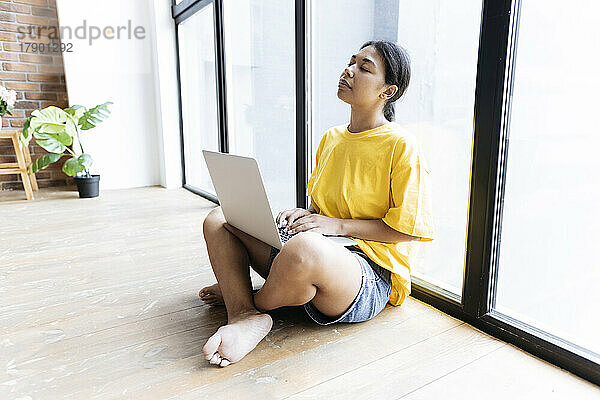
(99,300)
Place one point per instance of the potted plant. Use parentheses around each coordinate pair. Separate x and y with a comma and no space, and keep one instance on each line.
(54,130)
(7,102)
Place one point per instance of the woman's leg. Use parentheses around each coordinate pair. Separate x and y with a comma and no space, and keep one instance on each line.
(311,267)
(230,252)
(246,326)
(258,253)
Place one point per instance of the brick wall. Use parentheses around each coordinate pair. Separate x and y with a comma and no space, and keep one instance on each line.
(37,76)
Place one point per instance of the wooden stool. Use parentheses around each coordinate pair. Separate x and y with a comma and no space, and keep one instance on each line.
(22,164)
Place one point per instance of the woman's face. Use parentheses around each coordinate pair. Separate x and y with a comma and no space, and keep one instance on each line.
(365,74)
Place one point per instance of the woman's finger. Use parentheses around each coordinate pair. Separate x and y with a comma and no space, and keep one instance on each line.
(278,219)
(283,220)
(289,217)
(300,220)
(302,227)
(294,216)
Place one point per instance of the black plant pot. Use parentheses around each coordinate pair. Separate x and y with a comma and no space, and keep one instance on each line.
(87,187)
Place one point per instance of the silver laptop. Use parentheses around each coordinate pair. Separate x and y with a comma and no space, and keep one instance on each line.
(241,193)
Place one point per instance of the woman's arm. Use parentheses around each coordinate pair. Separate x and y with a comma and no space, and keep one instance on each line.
(373,229)
(368,229)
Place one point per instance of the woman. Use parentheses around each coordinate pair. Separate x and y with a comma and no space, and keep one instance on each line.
(370,183)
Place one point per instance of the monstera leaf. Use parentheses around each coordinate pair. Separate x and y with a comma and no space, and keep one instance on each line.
(53,121)
(75,165)
(26,133)
(94,115)
(43,162)
(53,142)
(75,112)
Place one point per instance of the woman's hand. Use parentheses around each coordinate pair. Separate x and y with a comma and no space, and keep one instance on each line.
(316,223)
(287,217)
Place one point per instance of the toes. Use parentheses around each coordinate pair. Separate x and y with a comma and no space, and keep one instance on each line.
(211,346)
(216,359)
(224,362)
(211,299)
(208,299)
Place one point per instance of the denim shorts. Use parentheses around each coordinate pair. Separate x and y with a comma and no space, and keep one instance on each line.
(374,293)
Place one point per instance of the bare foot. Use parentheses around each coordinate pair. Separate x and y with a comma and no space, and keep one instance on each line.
(231,342)
(211,295)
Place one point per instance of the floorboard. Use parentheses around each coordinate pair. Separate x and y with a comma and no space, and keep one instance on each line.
(99,300)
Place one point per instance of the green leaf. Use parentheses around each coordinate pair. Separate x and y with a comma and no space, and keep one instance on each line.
(62,137)
(53,142)
(43,161)
(51,128)
(85,160)
(72,166)
(94,115)
(51,119)
(51,145)
(71,127)
(26,132)
(76,111)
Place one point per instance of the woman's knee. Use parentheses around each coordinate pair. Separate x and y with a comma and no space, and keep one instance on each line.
(299,257)
(214,220)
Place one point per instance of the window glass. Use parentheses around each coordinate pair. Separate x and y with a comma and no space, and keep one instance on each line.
(548,274)
(261,99)
(442,40)
(198,95)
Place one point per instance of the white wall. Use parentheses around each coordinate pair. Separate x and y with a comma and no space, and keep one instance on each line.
(166,95)
(131,146)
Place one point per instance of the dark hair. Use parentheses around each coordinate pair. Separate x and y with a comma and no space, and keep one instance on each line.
(397,70)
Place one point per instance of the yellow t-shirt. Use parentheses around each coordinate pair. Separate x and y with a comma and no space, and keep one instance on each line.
(378,173)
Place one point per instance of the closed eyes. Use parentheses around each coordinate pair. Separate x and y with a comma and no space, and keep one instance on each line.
(360,68)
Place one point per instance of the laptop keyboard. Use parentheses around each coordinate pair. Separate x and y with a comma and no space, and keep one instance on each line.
(285,236)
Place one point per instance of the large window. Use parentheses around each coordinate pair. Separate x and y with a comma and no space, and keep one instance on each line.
(515,224)
(442,39)
(261,109)
(548,274)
